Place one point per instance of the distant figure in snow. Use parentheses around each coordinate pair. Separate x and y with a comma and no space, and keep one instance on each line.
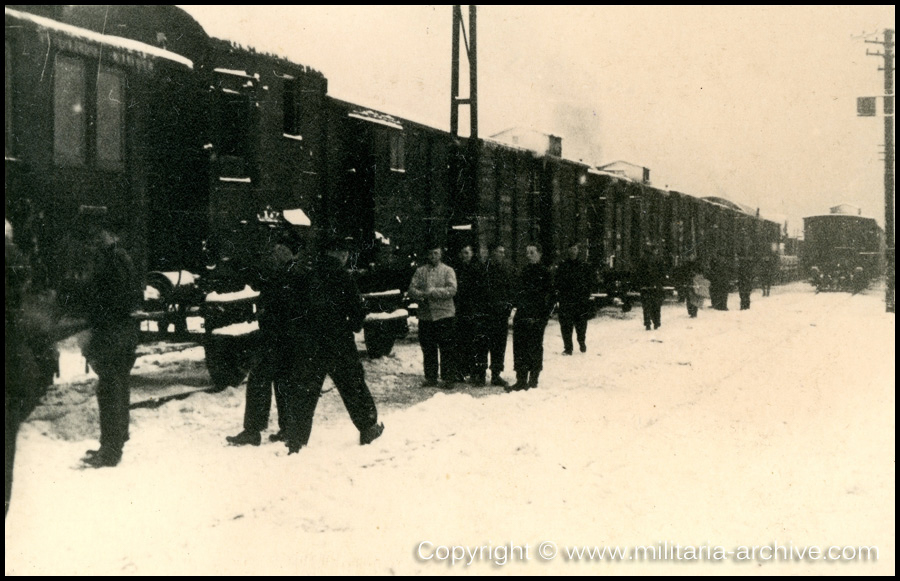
(650,279)
(433,286)
(335,314)
(720,276)
(697,292)
(767,271)
(746,268)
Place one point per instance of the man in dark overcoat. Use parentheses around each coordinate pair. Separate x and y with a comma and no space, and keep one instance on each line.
(471,306)
(336,313)
(651,278)
(746,274)
(109,293)
(573,290)
(283,346)
(720,278)
(499,306)
(534,302)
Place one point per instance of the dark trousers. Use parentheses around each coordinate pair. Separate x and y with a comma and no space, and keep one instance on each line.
(27,375)
(569,321)
(718,299)
(497,334)
(338,359)
(472,344)
(437,340)
(111,353)
(745,300)
(528,344)
(13,420)
(651,305)
(263,377)
(692,309)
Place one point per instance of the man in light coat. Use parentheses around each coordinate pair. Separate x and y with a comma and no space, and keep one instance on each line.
(433,286)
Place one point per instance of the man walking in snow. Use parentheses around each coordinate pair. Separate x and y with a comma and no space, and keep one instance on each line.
(336,313)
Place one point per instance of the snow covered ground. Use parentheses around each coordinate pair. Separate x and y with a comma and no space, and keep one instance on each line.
(738,428)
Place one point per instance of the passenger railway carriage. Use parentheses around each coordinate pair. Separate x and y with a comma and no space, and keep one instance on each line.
(200,152)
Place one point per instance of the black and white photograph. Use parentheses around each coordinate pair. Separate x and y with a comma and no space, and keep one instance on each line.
(450,290)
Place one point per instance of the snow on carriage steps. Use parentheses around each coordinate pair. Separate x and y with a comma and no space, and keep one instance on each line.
(237,329)
(106,39)
(387,293)
(246,293)
(398,314)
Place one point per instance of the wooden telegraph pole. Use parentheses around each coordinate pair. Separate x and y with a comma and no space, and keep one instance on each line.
(471,44)
(465,161)
(888,55)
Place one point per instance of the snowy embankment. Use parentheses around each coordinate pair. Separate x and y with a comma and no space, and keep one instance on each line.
(735,428)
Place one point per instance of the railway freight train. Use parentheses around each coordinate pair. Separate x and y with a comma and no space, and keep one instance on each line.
(200,152)
(842,250)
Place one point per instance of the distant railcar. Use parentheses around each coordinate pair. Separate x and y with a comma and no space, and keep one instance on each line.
(842,251)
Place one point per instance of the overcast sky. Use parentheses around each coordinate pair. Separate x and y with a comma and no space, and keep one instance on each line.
(755,104)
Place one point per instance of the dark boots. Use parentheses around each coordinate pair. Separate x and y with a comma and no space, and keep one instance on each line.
(525,380)
(105,457)
(245,438)
(521,382)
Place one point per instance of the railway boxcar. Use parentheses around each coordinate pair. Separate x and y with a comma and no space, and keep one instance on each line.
(421,183)
(842,250)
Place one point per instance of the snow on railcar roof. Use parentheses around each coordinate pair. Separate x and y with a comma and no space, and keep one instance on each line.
(105,39)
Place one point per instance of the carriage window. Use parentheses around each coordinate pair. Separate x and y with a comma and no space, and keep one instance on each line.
(234,120)
(398,153)
(9,126)
(234,117)
(291,107)
(69,142)
(110,117)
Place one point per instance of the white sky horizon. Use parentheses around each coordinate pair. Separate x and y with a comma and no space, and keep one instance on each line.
(753,104)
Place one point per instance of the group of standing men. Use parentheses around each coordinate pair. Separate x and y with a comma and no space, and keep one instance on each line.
(463,314)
